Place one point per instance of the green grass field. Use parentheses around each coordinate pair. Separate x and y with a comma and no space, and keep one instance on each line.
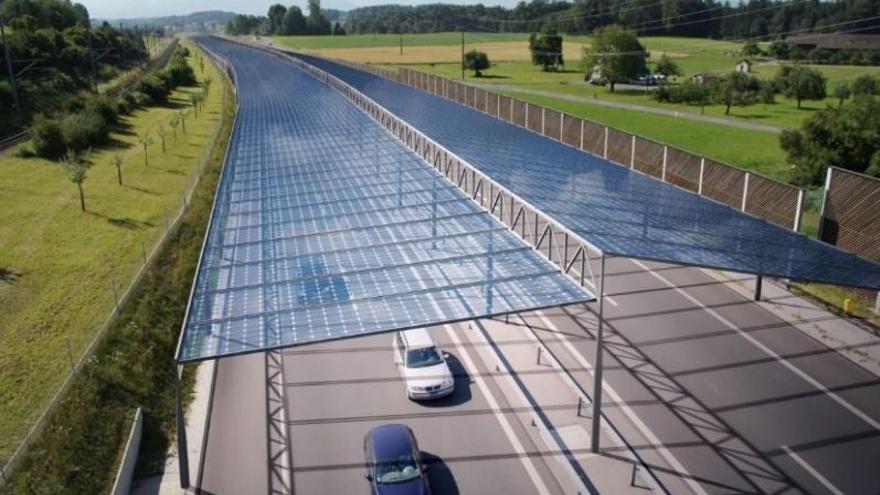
(390,40)
(752,150)
(58,265)
(522,74)
(439,53)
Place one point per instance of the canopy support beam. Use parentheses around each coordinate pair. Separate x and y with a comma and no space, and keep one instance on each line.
(759,282)
(597,375)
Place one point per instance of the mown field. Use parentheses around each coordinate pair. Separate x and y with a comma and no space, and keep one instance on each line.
(753,150)
(58,265)
(440,53)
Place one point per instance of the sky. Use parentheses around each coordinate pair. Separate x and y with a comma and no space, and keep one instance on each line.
(121,9)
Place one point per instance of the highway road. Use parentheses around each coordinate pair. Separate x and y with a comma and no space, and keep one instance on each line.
(335,392)
(710,387)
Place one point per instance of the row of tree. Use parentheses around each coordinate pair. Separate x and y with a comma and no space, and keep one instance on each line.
(85,122)
(285,21)
(55,54)
(700,18)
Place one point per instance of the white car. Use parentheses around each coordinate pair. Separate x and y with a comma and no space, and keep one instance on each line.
(422,366)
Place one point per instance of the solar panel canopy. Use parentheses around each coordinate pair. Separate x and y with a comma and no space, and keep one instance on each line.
(618,210)
(327,227)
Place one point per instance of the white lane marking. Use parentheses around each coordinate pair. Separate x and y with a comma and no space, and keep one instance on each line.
(630,414)
(794,369)
(484,337)
(596,292)
(493,404)
(816,474)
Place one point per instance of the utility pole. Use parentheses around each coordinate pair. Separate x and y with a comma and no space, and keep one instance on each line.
(12,84)
(92,60)
(462,55)
(401,43)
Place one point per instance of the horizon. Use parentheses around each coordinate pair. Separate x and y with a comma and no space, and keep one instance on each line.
(110,9)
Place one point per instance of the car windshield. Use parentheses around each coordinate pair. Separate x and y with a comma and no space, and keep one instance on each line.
(419,358)
(402,468)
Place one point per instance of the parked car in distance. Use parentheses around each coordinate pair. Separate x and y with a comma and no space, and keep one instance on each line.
(394,462)
(423,367)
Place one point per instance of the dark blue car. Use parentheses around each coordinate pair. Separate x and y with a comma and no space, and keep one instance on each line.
(394,463)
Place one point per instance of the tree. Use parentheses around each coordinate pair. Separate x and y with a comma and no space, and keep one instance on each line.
(162,132)
(317,23)
(183,114)
(146,140)
(76,166)
(476,61)
(801,83)
(667,66)
(750,49)
(864,85)
(616,54)
(546,49)
(276,17)
(847,137)
(175,121)
(737,89)
(841,92)
(294,21)
(117,162)
(338,30)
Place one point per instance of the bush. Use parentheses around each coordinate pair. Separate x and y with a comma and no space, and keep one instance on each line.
(154,87)
(83,130)
(179,73)
(141,99)
(47,138)
(104,106)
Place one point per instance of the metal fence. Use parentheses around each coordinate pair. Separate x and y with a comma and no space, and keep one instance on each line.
(772,200)
(119,294)
(850,217)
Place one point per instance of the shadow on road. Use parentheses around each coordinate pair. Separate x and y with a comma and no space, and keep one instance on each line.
(441,478)
(462,391)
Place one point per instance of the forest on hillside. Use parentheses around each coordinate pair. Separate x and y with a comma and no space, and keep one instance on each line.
(700,18)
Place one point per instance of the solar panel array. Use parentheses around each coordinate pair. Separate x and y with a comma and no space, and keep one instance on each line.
(616,209)
(327,227)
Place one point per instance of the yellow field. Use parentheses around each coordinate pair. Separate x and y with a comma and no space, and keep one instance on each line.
(437,54)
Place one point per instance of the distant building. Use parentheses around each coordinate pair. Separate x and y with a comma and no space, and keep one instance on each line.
(744,66)
(704,78)
(835,41)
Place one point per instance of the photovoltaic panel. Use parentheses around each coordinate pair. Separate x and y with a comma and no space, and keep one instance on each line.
(616,209)
(325,226)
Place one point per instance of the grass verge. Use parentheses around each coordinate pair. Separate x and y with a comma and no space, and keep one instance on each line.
(132,366)
(752,150)
(58,266)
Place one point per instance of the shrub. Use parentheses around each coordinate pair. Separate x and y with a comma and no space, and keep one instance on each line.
(179,72)
(47,138)
(154,86)
(141,99)
(104,106)
(83,130)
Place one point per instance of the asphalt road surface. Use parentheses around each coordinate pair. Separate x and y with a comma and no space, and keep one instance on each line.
(337,391)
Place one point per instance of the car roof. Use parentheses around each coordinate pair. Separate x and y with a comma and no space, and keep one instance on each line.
(418,337)
(391,441)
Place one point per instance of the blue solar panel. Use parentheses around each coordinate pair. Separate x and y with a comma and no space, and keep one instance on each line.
(325,226)
(618,210)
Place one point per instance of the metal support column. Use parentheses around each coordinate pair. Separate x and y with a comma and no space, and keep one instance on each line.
(182,452)
(597,366)
(759,282)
